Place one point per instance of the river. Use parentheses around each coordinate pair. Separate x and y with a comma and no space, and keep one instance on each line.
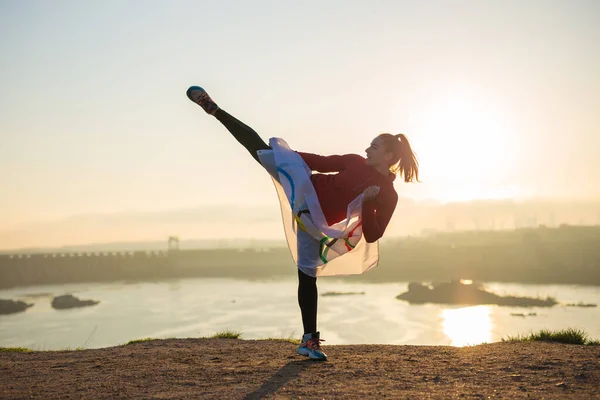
(268,309)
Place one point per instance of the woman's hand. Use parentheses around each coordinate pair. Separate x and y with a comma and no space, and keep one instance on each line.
(370,193)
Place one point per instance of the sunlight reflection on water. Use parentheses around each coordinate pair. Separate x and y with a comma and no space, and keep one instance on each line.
(468,325)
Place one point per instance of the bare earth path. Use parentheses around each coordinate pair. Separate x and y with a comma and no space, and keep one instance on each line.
(248,369)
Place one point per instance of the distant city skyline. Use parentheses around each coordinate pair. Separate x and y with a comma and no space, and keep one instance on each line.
(237,226)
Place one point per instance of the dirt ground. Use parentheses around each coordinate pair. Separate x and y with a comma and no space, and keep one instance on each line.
(249,369)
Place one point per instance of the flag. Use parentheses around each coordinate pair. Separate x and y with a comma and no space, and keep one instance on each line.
(317,248)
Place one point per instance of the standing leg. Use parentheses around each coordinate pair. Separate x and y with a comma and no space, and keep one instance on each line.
(307,300)
(308,249)
(245,135)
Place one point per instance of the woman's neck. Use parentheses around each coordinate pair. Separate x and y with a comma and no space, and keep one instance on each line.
(383,170)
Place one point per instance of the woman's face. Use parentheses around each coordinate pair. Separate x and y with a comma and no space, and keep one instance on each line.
(377,155)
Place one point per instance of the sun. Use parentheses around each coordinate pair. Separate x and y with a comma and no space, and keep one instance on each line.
(466,148)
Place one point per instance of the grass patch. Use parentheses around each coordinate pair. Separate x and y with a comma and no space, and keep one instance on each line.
(226,335)
(569,336)
(288,340)
(140,340)
(15,350)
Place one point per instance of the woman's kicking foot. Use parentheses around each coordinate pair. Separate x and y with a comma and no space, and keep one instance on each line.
(200,97)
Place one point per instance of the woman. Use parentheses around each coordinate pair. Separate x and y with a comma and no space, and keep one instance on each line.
(370,181)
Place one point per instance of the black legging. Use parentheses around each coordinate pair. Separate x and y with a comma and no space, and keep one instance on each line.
(307,285)
(243,133)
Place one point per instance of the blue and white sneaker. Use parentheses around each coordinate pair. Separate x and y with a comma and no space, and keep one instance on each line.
(311,347)
(200,97)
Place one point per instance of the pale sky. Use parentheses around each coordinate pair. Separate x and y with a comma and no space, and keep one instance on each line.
(500,99)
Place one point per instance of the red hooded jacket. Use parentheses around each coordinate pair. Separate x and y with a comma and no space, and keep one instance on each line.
(336,191)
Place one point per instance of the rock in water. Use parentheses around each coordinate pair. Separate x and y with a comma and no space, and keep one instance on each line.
(12,306)
(70,301)
(456,292)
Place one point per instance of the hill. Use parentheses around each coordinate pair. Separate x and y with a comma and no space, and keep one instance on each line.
(252,369)
(563,255)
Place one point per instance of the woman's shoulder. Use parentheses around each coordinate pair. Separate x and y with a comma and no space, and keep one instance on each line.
(389,192)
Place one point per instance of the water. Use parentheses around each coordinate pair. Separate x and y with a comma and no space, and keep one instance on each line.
(263,309)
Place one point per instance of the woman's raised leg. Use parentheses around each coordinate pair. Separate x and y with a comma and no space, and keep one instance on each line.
(245,135)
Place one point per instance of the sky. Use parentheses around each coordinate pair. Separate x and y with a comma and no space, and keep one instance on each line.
(499,99)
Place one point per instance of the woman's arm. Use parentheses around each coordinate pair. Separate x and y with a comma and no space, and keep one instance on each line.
(376,215)
(326,163)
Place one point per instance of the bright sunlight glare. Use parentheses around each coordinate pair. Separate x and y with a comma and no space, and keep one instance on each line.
(468,149)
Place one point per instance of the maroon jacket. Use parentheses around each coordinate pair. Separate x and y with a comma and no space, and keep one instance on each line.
(336,191)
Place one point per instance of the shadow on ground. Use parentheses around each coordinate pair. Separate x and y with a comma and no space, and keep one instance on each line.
(285,374)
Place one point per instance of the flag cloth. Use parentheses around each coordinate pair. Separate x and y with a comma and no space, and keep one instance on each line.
(317,248)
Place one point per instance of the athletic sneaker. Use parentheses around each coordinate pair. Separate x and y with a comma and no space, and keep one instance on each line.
(311,347)
(200,97)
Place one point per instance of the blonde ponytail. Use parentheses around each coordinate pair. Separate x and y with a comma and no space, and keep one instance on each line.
(404,161)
